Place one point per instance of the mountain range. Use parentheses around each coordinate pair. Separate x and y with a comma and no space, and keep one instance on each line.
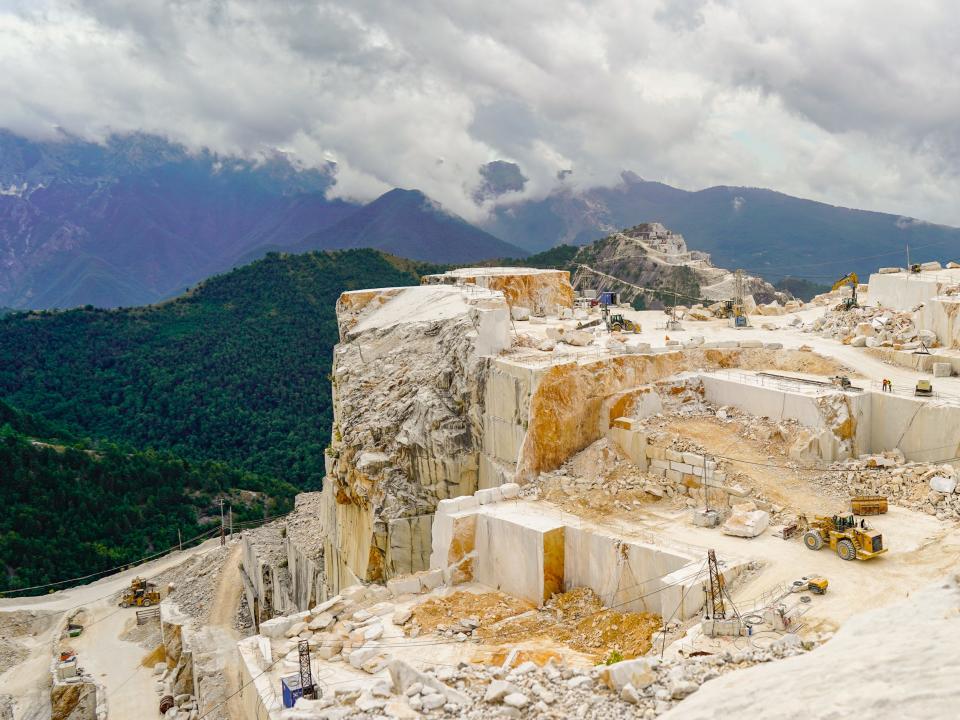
(762,231)
(138,219)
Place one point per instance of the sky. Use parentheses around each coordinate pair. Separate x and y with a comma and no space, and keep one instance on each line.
(853,102)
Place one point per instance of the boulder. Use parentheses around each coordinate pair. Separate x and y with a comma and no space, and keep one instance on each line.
(404,585)
(746,521)
(638,673)
(578,337)
(321,622)
(327,605)
(519,312)
(359,657)
(403,676)
(516,700)
(497,690)
(859,341)
(295,629)
(943,484)
(942,369)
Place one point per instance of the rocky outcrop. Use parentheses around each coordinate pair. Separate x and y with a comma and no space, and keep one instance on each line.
(408,386)
(540,291)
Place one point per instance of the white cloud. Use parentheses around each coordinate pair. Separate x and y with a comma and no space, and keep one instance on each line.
(852,102)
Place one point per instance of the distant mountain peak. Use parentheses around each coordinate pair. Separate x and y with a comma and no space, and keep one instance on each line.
(408,223)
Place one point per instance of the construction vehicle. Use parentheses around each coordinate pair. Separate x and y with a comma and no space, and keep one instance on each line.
(850,540)
(618,323)
(141,593)
(841,381)
(868,504)
(852,280)
(817,585)
(924,388)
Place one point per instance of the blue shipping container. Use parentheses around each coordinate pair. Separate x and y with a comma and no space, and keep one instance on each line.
(291,690)
(608,298)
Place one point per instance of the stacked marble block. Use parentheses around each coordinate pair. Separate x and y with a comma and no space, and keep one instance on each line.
(684,470)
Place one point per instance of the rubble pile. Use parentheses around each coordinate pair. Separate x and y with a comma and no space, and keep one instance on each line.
(461,613)
(578,620)
(185,706)
(601,479)
(15,627)
(194,583)
(643,687)
(927,487)
(11,653)
(872,327)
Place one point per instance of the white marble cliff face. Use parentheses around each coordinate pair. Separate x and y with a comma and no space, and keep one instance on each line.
(408,381)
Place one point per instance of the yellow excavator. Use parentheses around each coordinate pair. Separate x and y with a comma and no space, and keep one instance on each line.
(852,280)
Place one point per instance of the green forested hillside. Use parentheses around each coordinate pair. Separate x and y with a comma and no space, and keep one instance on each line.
(71,509)
(234,371)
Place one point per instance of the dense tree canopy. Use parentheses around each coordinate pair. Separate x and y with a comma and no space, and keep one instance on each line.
(126,425)
(71,509)
(235,370)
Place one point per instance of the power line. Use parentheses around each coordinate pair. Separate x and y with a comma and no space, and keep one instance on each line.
(127,565)
(124,566)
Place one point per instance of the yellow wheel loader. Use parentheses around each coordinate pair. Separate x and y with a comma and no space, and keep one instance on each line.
(848,539)
(141,593)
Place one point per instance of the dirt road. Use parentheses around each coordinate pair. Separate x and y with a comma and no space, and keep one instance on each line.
(113,662)
(223,613)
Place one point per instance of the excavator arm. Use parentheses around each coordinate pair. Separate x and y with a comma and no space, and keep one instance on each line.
(850,278)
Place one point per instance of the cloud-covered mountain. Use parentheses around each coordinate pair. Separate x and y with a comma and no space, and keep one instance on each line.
(409,224)
(765,232)
(139,219)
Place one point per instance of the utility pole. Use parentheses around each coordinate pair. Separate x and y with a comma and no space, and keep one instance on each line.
(231,522)
(223,539)
(179,540)
(908,260)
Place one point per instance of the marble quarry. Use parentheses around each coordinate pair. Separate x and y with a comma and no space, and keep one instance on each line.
(483,459)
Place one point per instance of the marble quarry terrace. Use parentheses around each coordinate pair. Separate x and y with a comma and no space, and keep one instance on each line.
(507,482)
(521,506)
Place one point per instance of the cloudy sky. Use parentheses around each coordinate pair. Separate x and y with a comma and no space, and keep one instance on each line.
(855,102)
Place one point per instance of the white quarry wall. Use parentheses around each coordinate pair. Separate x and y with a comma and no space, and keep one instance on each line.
(823,413)
(904,291)
(409,378)
(531,551)
(626,575)
(771,402)
(506,413)
(923,429)
(306,577)
(940,315)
